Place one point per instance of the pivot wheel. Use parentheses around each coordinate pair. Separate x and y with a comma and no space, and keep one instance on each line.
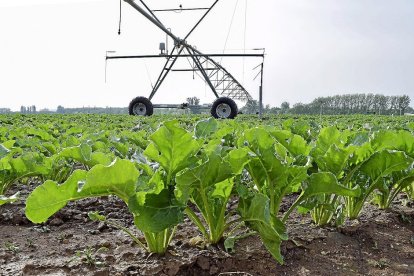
(224,108)
(141,106)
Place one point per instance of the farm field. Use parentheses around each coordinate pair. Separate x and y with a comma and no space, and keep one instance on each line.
(185,195)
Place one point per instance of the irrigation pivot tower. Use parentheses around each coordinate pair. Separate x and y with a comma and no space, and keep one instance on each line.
(222,83)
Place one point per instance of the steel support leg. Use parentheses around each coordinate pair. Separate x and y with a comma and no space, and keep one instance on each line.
(203,72)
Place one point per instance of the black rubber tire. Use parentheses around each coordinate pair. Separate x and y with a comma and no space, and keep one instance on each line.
(230,103)
(149,108)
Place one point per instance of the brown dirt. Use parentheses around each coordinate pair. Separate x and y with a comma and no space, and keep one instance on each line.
(380,243)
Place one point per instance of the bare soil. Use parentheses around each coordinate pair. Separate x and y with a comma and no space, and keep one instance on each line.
(379,243)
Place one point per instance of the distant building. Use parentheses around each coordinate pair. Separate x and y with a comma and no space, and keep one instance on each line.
(5,110)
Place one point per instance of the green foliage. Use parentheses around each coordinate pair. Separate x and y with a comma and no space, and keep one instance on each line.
(10,199)
(209,186)
(84,155)
(319,195)
(173,148)
(194,165)
(384,171)
(50,197)
(205,128)
(273,175)
(119,178)
(256,212)
(272,168)
(11,247)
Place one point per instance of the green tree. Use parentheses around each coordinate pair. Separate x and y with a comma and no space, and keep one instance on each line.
(285,106)
(60,109)
(193,101)
(251,107)
(403,103)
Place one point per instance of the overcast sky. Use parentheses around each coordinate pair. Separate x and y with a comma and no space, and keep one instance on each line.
(53,52)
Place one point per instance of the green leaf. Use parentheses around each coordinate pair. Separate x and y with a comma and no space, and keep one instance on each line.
(302,128)
(51,148)
(358,139)
(394,140)
(327,137)
(95,216)
(9,144)
(237,158)
(3,151)
(295,144)
(326,183)
(291,180)
(78,153)
(10,199)
(361,153)
(121,148)
(100,158)
(410,189)
(323,183)
(30,164)
(229,244)
(117,179)
(407,183)
(209,186)
(205,128)
(50,197)
(257,139)
(264,167)
(334,160)
(157,213)
(222,189)
(385,162)
(74,130)
(153,185)
(172,147)
(40,133)
(256,213)
(214,170)
(271,173)
(83,154)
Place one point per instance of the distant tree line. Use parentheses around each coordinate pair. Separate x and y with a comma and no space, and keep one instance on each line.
(92,110)
(355,104)
(333,105)
(340,104)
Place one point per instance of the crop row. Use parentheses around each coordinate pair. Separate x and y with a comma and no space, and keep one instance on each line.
(185,168)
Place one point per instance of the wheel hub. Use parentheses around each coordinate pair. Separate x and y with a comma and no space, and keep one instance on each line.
(223,110)
(140,109)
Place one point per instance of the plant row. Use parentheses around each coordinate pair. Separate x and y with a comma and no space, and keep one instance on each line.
(179,170)
(196,173)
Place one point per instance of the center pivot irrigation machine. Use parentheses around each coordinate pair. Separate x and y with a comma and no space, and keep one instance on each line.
(223,85)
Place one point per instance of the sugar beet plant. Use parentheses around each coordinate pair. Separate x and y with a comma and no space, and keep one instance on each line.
(149,193)
(209,186)
(278,166)
(157,198)
(382,168)
(368,167)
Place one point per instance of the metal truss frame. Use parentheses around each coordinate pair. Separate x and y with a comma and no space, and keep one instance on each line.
(220,81)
